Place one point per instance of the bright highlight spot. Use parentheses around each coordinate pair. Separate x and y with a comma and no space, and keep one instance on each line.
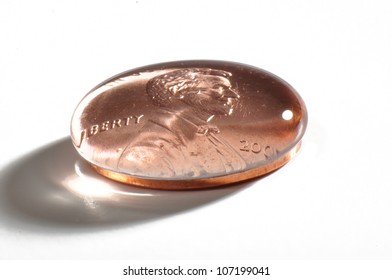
(287,115)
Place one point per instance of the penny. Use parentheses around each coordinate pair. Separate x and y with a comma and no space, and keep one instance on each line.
(189,124)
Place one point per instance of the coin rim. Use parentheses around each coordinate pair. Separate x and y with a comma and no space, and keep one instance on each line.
(199,183)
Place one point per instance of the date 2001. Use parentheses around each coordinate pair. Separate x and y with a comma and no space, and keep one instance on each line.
(237,270)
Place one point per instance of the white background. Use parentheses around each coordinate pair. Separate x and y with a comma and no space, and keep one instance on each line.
(333,201)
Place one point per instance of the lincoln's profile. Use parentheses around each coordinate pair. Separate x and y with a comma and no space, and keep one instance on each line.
(180,140)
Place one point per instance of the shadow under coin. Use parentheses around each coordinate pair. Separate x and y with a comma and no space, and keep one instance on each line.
(54,190)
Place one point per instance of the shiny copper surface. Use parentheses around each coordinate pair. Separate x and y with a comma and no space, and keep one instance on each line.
(189,124)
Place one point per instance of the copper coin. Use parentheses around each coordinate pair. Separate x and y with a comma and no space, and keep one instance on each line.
(189,124)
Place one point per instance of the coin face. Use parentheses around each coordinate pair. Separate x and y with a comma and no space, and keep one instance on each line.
(189,124)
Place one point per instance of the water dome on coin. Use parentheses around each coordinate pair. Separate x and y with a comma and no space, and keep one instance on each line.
(189,124)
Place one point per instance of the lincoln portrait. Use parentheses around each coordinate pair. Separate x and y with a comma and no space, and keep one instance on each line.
(180,140)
